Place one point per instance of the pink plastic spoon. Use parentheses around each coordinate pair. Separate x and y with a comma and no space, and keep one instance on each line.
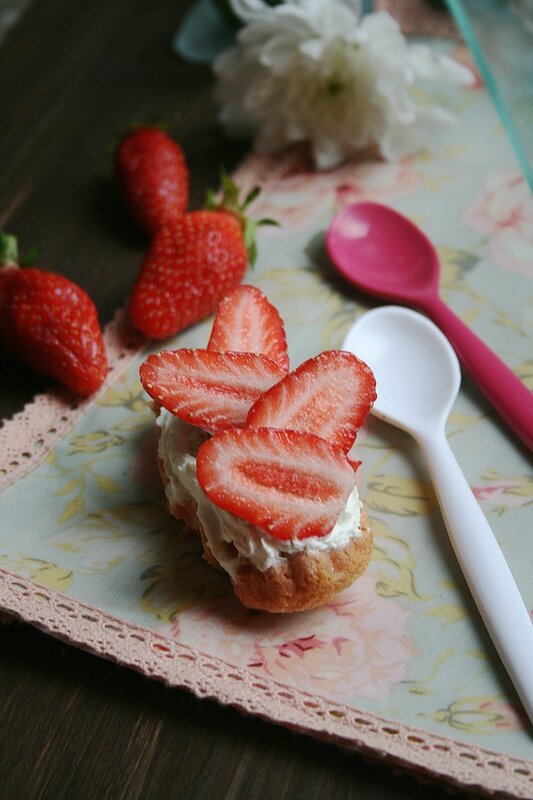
(386,255)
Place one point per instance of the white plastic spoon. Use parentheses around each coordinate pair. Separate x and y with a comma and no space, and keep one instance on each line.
(418,378)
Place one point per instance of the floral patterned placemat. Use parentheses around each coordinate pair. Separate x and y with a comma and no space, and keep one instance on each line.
(399,665)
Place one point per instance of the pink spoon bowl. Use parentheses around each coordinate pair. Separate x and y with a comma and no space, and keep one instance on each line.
(386,255)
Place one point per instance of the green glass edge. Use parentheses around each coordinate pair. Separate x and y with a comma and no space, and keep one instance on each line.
(462,21)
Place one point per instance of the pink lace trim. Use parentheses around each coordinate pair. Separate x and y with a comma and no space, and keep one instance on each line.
(27,438)
(177,665)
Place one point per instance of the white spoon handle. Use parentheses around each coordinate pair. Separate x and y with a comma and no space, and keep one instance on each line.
(484,567)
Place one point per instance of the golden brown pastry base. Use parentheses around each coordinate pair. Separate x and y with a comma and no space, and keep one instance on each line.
(304,581)
(301,582)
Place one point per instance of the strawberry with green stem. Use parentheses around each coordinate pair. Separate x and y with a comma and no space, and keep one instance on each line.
(193,263)
(50,323)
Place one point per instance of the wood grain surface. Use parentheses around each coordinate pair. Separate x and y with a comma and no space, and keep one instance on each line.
(73,75)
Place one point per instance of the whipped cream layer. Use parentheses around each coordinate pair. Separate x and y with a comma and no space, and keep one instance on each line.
(178,445)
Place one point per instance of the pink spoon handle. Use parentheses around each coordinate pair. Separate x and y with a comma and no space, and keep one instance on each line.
(507,393)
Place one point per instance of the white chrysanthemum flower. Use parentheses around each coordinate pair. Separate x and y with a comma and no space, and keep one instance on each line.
(315,71)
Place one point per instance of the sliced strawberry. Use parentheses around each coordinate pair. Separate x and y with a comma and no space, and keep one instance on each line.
(290,484)
(206,388)
(246,322)
(329,395)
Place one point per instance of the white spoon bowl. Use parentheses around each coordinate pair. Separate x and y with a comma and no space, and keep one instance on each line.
(401,345)
(418,377)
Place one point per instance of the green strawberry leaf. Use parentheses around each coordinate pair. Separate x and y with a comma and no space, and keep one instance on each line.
(230,201)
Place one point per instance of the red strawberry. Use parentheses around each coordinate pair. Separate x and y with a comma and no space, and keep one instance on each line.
(50,323)
(189,267)
(192,264)
(290,484)
(153,177)
(206,388)
(246,322)
(329,395)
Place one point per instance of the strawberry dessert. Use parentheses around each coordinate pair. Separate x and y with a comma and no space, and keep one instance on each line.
(255,458)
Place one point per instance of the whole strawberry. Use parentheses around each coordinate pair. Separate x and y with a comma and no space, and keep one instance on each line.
(192,264)
(153,177)
(50,323)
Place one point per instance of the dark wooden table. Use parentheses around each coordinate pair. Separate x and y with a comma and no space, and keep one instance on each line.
(72,76)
